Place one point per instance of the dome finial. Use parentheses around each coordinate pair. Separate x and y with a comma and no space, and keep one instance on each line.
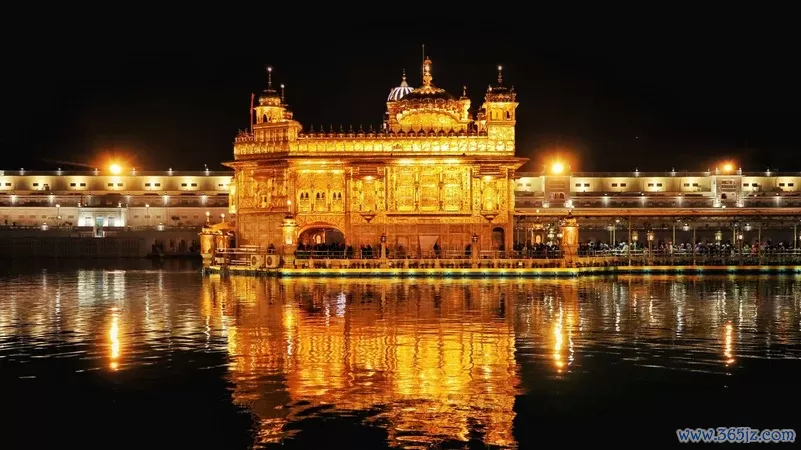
(427,78)
(500,75)
(269,77)
(464,91)
(282,92)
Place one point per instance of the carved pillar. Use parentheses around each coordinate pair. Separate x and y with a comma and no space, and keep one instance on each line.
(289,230)
(207,246)
(384,250)
(570,239)
(347,207)
(474,250)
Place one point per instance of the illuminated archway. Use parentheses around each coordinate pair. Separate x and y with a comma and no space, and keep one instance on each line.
(321,234)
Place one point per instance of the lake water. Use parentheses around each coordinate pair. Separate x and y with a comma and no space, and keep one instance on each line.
(160,356)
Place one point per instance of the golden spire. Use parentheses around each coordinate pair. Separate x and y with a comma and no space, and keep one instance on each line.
(500,75)
(464,91)
(403,79)
(269,77)
(427,73)
(282,93)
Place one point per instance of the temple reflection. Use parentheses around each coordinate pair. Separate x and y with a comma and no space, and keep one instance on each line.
(437,361)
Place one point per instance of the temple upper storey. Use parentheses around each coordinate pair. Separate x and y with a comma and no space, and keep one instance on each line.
(418,121)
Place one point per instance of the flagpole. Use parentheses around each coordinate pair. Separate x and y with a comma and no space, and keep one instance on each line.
(252,97)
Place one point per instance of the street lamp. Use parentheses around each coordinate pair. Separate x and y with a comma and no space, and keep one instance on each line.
(147,213)
(557,168)
(208,214)
(115,169)
(222,216)
(58,211)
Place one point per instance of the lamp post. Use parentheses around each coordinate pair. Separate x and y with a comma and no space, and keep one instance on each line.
(635,237)
(58,211)
(222,217)
(383,246)
(208,214)
(650,236)
(147,213)
(739,244)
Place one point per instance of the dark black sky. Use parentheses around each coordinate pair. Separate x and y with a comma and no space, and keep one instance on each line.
(654,96)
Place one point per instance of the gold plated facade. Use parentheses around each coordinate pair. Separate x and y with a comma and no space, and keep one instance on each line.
(434,169)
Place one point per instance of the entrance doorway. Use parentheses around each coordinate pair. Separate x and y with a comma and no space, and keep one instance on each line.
(321,237)
(498,235)
(321,242)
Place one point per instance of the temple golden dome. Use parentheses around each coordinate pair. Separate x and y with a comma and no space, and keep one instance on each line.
(427,109)
(428,91)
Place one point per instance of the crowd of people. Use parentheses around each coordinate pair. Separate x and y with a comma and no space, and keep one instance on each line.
(549,250)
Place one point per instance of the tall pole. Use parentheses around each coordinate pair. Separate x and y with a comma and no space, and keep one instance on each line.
(693,244)
(759,243)
(673,244)
(252,98)
(630,243)
(673,240)
(795,234)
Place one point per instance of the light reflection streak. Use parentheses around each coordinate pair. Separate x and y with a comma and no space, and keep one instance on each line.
(728,351)
(114,338)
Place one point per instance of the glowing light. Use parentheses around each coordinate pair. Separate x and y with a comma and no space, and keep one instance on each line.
(115,169)
(557,168)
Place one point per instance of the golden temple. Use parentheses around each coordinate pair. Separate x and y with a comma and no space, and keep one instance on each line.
(436,172)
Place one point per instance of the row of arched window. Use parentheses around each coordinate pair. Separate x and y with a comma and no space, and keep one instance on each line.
(321,196)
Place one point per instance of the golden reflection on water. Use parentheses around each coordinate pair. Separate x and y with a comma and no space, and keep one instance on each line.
(114,338)
(441,355)
(728,350)
(436,359)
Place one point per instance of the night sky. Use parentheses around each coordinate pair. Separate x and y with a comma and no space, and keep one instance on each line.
(608,98)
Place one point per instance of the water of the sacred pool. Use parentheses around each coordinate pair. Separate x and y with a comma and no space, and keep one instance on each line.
(156,354)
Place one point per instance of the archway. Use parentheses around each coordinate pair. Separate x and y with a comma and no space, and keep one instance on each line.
(321,241)
(498,241)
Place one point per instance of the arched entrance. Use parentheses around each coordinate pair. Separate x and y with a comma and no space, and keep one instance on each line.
(321,241)
(498,235)
(321,235)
